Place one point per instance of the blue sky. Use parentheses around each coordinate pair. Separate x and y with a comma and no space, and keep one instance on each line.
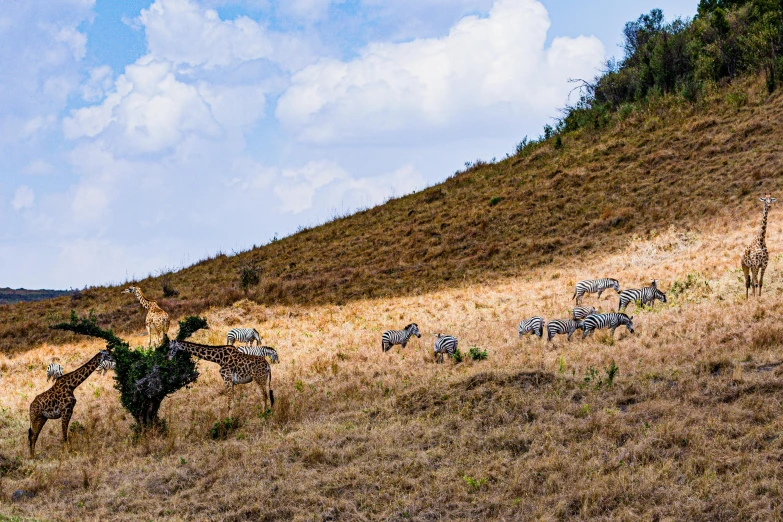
(139,136)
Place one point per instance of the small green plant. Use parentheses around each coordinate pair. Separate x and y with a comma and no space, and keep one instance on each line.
(457,356)
(182,461)
(221,429)
(558,142)
(76,427)
(264,415)
(474,484)
(494,201)
(561,364)
(476,354)
(611,373)
(584,411)
(591,375)
(299,385)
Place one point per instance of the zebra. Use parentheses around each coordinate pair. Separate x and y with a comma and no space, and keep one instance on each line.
(596,285)
(444,344)
(243,335)
(260,351)
(54,371)
(534,325)
(580,312)
(598,321)
(392,337)
(562,326)
(645,295)
(106,365)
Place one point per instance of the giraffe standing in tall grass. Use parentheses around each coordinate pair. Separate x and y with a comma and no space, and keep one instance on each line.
(58,401)
(756,256)
(157,319)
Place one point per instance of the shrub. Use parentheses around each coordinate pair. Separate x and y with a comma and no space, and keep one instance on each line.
(477,354)
(222,429)
(494,201)
(249,275)
(457,356)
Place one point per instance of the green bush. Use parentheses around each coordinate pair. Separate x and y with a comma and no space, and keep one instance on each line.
(476,354)
(456,356)
(222,429)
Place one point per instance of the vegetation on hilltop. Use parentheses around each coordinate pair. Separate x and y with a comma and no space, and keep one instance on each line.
(22,295)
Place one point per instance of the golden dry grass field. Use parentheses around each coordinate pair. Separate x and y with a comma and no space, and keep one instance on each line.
(690,429)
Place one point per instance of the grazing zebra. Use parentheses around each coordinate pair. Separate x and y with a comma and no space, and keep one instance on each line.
(243,335)
(106,365)
(444,344)
(260,351)
(392,337)
(596,285)
(645,295)
(534,325)
(562,326)
(598,321)
(54,371)
(580,312)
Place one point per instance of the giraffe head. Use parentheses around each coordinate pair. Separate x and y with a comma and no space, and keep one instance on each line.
(131,290)
(767,200)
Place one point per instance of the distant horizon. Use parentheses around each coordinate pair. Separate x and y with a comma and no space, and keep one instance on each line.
(142,136)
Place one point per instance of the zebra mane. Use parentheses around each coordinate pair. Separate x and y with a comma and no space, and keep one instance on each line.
(412,324)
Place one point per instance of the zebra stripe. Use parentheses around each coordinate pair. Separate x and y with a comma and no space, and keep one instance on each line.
(645,295)
(534,325)
(580,312)
(260,351)
(599,321)
(593,286)
(392,337)
(54,371)
(243,335)
(106,365)
(444,344)
(562,326)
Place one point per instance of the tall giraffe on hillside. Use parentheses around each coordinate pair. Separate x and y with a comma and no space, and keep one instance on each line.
(756,256)
(235,367)
(58,401)
(157,319)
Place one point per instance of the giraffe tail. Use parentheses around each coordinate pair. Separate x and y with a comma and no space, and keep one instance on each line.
(271,398)
(30,435)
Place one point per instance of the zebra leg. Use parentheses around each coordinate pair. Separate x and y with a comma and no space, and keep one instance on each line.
(403,344)
(600,292)
(613,329)
(569,336)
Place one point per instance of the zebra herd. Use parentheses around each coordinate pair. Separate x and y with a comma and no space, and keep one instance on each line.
(584,318)
(588,319)
(243,335)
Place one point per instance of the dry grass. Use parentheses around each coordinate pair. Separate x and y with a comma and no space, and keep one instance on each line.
(689,430)
(667,163)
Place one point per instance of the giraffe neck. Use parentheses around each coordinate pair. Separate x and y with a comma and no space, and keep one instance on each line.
(143,300)
(214,354)
(78,376)
(763,229)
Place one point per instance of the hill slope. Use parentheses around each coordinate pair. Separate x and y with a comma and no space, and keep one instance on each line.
(22,295)
(667,162)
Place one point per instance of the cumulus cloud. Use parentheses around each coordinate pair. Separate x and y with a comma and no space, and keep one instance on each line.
(329,183)
(23,198)
(489,70)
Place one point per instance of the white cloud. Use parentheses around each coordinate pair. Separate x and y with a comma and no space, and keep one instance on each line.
(39,167)
(491,70)
(89,203)
(23,198)
(184,33)
(297,189)
(98,83)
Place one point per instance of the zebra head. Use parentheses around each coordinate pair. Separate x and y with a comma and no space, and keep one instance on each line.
(616,285)
(660,295)
(105,356)
(174,347)
(413,328)
(627,321)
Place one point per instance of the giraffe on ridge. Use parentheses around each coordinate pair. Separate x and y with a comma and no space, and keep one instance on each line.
(756,256)
(235,367)
(58,401)
(157,319)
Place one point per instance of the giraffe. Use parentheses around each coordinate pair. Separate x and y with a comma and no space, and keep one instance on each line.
(235,367)
(756,256)
(157,319)
(58,401)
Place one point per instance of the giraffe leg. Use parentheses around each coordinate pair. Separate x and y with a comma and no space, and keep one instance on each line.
(66,419)
(755,272)
(761,278)
(149,336)
(36,425)
(746,271)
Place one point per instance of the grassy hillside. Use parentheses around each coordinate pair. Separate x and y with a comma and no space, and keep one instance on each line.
(688,429)
(22,295)
(661,162)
